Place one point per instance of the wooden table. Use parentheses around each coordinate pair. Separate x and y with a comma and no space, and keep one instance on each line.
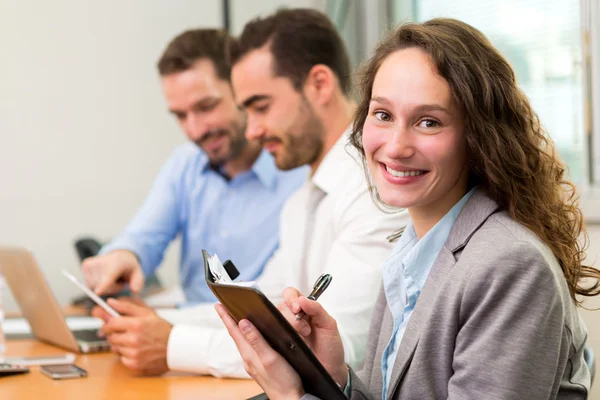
(109,379)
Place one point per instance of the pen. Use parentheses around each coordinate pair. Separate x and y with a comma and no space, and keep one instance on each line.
(320,285)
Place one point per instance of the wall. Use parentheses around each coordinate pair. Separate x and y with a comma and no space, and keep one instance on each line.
(83,124)
(243,10)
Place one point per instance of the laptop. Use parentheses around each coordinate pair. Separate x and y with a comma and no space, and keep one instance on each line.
(39,306)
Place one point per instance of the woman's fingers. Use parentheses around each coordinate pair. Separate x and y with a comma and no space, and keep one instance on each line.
(258,356)
(294,303)
(268,357)
(270,370)
(319,318)
(250,343)
(300,325)
(245,350)
(290,297)
(230,324)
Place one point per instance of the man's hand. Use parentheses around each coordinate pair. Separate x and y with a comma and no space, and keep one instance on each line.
(108,273)
(101,313)
(139,336)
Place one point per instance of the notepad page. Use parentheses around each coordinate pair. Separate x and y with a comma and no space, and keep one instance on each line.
(218,271)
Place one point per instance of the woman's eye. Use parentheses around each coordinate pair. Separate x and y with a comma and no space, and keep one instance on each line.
(382,116)
(429,123)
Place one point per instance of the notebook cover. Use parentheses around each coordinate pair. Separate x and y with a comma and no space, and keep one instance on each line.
(251,304)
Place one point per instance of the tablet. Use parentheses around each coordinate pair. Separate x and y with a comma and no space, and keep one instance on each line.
(91,294)
(248,302)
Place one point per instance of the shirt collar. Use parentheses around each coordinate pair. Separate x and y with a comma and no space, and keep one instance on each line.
(419,260)
(326,177)
(264,168)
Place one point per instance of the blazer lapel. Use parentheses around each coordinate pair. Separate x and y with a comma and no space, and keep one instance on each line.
(419,317)
(475,212)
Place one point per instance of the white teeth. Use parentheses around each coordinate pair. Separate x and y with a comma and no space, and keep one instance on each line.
(403,174)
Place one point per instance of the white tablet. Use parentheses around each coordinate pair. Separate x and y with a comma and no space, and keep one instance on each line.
(91,294)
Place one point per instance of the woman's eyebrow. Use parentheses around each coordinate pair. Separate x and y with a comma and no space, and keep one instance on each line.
(382,100)
(419,108)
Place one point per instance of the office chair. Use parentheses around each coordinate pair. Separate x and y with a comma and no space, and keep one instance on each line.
(87,247)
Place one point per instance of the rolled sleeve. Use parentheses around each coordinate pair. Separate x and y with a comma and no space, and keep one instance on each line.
(204,351)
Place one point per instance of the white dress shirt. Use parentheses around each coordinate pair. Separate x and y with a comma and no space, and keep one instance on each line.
(348,241)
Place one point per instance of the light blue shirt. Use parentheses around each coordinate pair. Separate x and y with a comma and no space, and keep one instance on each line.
(237,219)
(403,285)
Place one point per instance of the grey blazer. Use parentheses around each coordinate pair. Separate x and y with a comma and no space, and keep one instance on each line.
(494,321)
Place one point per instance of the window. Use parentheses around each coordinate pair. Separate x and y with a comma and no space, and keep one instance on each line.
(542,39)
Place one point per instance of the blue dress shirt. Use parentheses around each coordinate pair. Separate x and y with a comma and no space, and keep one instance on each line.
(237,219)
(403,285)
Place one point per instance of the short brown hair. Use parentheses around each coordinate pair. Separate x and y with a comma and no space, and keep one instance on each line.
(190,46)
(299,39)
(510,155)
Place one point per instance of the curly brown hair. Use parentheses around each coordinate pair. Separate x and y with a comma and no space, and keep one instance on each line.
(510,155)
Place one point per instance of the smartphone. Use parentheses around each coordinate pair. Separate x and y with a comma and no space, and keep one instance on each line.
(63,371)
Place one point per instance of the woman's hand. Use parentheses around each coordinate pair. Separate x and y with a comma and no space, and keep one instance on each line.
(319,330)
(270,370)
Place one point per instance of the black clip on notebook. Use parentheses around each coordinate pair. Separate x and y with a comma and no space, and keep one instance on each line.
(245,302)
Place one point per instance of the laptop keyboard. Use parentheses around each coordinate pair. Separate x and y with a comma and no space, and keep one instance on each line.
(88,335)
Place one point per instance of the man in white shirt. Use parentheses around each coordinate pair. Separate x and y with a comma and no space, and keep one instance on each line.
(292,75)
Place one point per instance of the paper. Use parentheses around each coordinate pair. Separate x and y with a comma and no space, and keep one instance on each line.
(218,271)
(20,326)
(16,326)
(34,361)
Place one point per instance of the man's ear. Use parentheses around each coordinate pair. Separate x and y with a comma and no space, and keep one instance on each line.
(320,84)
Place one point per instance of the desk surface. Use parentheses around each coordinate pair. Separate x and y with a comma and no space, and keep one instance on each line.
(109,379)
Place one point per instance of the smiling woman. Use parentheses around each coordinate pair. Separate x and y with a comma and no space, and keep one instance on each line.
(480,293)
(413,138)
(509,153)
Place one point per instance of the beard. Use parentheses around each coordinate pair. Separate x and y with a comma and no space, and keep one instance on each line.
(303,142)
(233,139)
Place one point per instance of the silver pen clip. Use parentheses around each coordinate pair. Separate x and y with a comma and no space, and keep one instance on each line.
(321,284)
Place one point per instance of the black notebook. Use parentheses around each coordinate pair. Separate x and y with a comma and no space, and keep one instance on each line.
(248,302)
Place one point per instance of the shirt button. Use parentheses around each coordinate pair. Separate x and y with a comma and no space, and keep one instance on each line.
(224,234)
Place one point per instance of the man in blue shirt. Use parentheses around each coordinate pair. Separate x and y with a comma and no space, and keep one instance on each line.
(221,192)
